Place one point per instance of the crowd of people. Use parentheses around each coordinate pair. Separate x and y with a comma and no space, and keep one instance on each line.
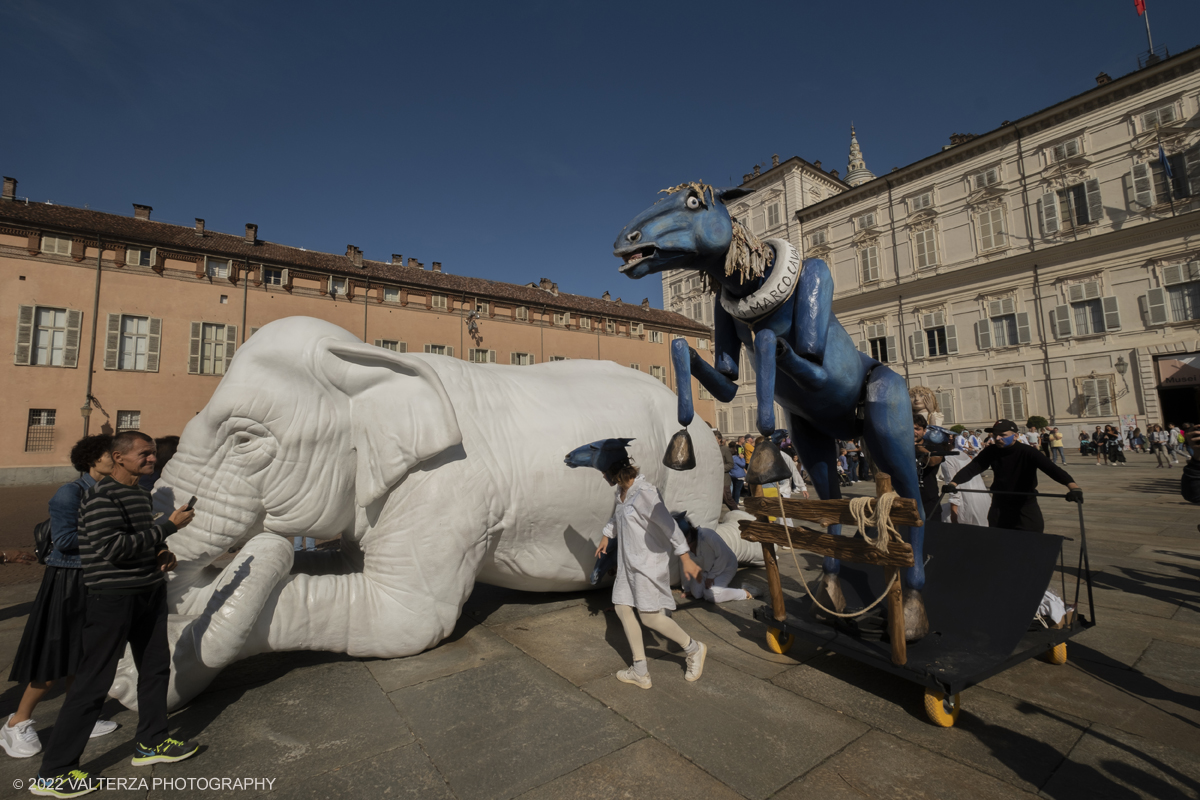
(104,587)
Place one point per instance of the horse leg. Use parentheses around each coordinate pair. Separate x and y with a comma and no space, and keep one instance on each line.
(683,380)
(722,387)
(818,454)
(764,380)
(888,434)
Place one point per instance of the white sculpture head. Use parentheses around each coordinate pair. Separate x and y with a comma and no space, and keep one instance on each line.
(307,423)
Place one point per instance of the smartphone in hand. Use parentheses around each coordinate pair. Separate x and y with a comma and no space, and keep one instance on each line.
(191,503)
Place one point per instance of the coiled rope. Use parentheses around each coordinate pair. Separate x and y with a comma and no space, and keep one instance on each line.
(866,512)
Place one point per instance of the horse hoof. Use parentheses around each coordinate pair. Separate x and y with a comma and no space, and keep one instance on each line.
(680,454)
(829,593)
(916,623)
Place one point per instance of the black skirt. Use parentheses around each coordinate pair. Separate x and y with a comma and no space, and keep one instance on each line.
(52,644)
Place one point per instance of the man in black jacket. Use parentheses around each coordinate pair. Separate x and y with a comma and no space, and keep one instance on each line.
(1015,467)
(125,561)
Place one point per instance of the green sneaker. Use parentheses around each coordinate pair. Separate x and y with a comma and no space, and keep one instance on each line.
(169,751)
(75,783)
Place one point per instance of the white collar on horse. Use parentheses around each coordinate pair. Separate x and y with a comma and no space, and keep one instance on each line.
(777,287)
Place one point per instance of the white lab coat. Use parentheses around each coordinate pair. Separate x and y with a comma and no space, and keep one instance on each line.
(720,566)
(647,538)
(972,507)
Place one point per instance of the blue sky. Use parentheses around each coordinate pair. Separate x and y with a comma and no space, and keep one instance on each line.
(512,141)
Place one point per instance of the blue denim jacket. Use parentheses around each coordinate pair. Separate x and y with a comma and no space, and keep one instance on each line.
(64,523)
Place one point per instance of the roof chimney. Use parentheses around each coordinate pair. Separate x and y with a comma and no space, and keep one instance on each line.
(412,262)
(1101,79)
(757,171)
(607,296)
(398,259)
(251,233)
(746,178)
(10,189)
(545,283)
(354,254)
(141,212)
(645,302)
(199,227)
(833,172)
(817,164)
(437,266)
(775,160)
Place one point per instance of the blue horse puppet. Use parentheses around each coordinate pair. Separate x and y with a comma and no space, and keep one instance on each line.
(781,311)
(608,456)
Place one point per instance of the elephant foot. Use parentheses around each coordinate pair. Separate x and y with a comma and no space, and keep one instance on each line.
(829,593)
(916,623)
(215,633)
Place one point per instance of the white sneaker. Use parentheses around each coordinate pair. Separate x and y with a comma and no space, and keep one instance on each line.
(103,727)
(695,663)
(630,676)
(20,740)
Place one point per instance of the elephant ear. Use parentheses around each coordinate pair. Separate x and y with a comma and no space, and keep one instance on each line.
(400,413)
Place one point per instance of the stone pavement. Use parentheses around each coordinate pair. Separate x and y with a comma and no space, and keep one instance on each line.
(521,701)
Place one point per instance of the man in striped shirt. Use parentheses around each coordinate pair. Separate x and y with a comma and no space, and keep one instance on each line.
(125,561)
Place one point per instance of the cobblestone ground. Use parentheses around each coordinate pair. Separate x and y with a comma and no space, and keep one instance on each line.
(521,701)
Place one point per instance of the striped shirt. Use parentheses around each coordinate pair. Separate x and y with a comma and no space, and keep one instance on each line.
(119,540)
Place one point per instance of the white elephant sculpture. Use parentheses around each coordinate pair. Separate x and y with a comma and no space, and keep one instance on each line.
(435,472)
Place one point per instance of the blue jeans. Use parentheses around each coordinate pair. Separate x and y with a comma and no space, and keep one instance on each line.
(303,543)
(1056,453)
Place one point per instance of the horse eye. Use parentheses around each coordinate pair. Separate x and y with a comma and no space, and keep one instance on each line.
(693,202)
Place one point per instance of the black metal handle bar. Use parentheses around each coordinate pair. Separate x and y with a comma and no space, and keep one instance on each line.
(1022,494)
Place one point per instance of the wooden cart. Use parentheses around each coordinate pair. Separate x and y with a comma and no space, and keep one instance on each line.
(984,588)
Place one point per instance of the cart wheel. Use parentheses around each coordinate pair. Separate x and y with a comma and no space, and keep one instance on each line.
(941,712)
(777,642)
(1057,654)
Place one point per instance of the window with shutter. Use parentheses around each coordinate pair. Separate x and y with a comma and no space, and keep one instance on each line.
(986,178)
(49,337)
(1184,299)
(1143,185)
(866,221)
(951,340)
(773,215)
(1190,179)
(1095,207)
(818,238)
(522,313)
(916,343)
(70,355)
(22,354)
(1023,332)
(216,267)
(656,337)
(1164,115)
(921,201)
(439,301)
(194,348)
(1097,397)
(438,350)
(1154,303)
(56,245)
(1065,150)
(1060,321)
(983,334)
(936,341)
(521,359)
(924,248)
(1048,213)
(869,262)
(991,229)
(946,404)
(1012,402)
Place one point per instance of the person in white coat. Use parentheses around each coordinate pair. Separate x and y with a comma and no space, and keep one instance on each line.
(969,508)
(647,537)
(719,565)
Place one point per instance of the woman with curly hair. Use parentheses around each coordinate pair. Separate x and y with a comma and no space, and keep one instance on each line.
(52,645)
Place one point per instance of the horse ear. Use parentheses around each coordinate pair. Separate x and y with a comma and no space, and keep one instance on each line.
(400,413)
(732,193)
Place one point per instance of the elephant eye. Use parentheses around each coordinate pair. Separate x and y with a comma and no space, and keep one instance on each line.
(693,202)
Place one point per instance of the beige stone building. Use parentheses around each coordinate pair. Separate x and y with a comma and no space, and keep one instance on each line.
(1048,267)
(143,317)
